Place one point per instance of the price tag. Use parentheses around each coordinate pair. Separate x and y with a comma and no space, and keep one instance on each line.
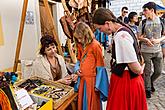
(23,98)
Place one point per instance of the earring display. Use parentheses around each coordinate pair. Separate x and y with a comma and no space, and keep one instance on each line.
(56,93)
(41,90)
(30,84)
(48,89)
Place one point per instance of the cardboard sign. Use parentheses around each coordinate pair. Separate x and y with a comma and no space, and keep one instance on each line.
(23,99)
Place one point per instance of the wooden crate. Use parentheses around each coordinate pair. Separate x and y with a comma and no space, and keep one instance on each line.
(57,102)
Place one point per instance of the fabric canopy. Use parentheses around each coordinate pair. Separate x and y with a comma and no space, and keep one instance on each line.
(160,8)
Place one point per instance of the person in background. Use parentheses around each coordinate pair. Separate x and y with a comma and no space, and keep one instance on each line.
(102,38)
(92,84)
(133,18)
(123,17)
(126,90)
(149,34)
(163,42)
(48,64)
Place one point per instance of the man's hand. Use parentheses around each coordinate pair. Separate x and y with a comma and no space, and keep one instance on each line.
(155,41)
(148,42)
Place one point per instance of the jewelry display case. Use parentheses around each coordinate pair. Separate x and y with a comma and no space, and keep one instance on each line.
(48,89)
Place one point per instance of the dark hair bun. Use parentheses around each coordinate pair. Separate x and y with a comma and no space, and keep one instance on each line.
(46,40)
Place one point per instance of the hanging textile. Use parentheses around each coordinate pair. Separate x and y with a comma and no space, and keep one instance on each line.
(1,33)
(4,102)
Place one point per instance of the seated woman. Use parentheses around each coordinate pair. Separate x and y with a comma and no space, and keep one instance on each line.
(48,64)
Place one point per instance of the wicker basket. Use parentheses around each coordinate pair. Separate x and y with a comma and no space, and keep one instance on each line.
(58,102)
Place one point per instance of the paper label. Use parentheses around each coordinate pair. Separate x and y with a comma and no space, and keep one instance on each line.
(23,99)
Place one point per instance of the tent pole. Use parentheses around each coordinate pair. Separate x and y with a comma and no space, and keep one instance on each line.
(20,35)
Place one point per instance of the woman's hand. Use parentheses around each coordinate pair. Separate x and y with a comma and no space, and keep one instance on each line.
(79,73)
(136,67)
(67,80)
(96,90)
(74,77)
(142,68)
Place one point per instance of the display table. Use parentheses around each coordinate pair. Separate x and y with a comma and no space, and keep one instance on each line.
(69,101)
(62,95)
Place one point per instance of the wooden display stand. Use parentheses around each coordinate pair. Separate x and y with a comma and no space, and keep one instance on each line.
(64,101)
(69,101)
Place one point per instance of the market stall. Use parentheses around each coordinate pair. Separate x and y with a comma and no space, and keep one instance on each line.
(58,97)
(160,9)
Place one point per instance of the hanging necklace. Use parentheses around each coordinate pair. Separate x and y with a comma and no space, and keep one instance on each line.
(54,64)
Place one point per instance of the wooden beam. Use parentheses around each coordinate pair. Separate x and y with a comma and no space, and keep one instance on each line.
(19,42)
(50,18)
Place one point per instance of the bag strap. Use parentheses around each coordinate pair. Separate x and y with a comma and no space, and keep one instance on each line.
(143,25)
(162,24)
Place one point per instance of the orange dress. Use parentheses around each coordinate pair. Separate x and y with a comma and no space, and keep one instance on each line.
(90,58)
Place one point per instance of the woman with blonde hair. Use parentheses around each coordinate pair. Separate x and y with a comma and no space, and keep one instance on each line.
(93,82)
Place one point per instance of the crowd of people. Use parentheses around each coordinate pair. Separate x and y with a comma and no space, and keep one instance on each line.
(136,49)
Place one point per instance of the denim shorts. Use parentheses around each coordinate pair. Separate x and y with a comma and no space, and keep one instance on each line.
(163,45)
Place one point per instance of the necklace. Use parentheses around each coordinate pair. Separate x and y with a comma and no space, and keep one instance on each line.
(53,62)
